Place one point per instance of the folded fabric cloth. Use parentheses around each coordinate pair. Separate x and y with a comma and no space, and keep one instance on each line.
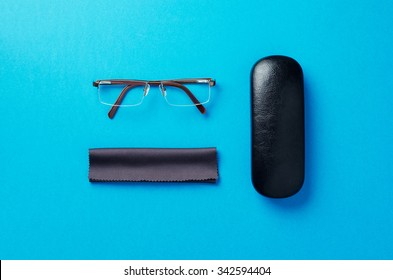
(153,165)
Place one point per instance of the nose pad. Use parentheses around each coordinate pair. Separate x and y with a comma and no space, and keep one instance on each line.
(163,89)
(146,89)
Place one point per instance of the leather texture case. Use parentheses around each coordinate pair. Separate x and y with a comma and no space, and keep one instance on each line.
(277,100)
(153,165)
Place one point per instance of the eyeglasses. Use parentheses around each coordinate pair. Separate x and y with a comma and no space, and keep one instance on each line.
(127,93)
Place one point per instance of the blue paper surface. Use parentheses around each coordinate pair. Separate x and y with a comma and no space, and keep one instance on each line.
(51,51)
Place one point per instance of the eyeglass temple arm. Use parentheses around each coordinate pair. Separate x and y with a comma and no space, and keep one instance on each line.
(200,107)
(123,93)
(115,106)
(209,81)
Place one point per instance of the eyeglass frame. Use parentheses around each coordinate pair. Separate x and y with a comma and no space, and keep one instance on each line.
(179,83)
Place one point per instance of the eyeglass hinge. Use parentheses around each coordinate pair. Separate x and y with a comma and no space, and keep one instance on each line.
(96,84)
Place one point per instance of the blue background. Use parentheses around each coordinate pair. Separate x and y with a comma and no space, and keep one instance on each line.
(50,115)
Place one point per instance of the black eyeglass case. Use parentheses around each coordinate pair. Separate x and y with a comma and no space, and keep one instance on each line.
(277,116)
(153,165)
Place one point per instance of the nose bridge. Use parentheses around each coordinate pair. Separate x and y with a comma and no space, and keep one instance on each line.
(162,89)
(146,89)
(159,84)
